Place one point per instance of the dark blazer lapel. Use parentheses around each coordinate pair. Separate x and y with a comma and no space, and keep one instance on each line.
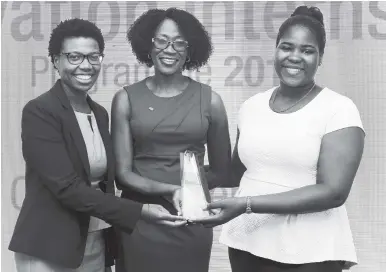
(71,123)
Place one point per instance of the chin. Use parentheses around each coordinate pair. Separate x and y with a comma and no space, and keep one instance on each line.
(84,89)
(168,72)
(291,82)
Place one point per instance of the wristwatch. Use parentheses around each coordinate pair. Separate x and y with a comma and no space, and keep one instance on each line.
(248,209)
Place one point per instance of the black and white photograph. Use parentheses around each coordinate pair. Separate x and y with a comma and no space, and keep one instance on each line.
(197,136)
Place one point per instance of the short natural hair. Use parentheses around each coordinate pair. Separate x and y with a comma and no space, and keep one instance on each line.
(311,18)
(73,28)
(143,30)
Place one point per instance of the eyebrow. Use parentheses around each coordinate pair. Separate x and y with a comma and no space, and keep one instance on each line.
(77,52)
(303,45)
(166,36)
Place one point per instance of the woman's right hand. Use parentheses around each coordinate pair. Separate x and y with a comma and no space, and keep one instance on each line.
(156,214)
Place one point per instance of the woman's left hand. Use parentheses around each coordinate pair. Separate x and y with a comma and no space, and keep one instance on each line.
(228,209)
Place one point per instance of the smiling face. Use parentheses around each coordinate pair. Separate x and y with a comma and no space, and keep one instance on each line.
(297,56)
(168,61)
(78,77)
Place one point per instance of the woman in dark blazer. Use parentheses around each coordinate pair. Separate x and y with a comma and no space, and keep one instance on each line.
(69,207)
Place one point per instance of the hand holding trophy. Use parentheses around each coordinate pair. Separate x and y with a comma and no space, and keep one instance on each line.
(195,192)
(156,214)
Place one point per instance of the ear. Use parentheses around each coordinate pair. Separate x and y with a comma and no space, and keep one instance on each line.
(320,60)
(56,62)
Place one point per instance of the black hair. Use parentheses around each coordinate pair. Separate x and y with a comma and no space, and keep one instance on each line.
(144,27)
(73,28)
(310,17)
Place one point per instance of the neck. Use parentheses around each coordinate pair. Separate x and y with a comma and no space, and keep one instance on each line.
(294,92)
(75,97)
(168,82)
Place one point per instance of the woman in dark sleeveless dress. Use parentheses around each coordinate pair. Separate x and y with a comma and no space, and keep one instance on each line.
(156,119)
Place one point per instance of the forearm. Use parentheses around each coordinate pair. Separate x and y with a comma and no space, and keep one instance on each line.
(133,181)
(76,195)
(308,199)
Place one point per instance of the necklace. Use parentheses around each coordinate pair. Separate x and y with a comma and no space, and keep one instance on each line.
(297,102)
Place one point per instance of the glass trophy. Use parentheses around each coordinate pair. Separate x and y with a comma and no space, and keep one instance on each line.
(195,192)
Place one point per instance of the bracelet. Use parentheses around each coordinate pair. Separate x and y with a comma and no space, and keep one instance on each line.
(248,209)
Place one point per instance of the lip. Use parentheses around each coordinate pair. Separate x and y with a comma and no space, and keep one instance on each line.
(292,67)
(166,58)
(168,61)
(84,78)
(290,71)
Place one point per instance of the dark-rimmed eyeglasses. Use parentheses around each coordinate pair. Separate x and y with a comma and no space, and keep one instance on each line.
(178,45)
(76,58)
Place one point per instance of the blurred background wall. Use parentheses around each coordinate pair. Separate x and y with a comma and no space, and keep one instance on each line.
(243,35)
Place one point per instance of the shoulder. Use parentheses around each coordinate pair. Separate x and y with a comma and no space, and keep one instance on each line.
(203,86)
(256,99)
(342,111)
(120,95)
(46,102)
(124,93)
(135,87)
(216,101)
(338,102)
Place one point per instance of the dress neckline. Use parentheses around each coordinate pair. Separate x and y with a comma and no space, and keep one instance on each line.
(183,91)
(313,100)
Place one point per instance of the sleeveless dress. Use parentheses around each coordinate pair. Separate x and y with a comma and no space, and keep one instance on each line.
(280,152)
(162,128)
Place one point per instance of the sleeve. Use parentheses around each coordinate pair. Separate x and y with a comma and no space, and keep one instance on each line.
(346,115)
(44,151)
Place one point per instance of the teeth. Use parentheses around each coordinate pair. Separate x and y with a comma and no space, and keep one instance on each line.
(83,77)
(293,71)
(168,61)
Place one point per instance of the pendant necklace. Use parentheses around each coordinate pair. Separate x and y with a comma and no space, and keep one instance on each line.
(293,105)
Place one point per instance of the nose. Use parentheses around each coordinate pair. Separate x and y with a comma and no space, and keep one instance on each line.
(295,56)
(170,49)
(85,64)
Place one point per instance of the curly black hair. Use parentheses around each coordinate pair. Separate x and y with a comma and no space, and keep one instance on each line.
(144,27)
(310,17)
(73,28)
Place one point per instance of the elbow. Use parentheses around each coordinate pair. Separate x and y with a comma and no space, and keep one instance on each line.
(118,179)
(336,199)
(123,179)
(339,201)
(126,179)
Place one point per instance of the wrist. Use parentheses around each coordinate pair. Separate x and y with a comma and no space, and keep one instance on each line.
(173,189)
(241,205)
(248,204)
(145,212)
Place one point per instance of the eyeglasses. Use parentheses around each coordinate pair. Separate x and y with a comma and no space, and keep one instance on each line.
(178,45)
(76,58)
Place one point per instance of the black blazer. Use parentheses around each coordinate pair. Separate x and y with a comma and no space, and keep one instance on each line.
(54,218)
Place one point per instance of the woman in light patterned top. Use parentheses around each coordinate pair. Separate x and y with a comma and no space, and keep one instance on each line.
(298,149)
